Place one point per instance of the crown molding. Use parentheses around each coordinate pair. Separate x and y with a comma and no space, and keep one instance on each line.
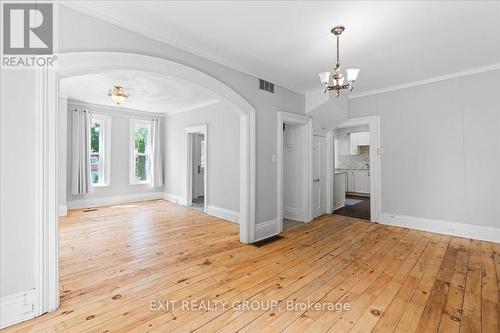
(449,76)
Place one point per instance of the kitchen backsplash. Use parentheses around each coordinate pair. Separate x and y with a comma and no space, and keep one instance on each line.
(355,161)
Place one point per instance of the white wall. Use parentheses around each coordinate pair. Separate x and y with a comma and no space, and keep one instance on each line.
(293,186)
(223,151)
(120,155)
(442,149)
(17,177)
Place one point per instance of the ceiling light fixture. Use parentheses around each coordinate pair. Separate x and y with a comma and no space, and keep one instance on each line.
(337,78)
(118,94)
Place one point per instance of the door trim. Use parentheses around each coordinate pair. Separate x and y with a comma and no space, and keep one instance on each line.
(188,149)
(295,119)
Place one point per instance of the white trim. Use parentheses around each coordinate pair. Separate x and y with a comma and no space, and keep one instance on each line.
(306,121)
(373,123)
(479,232)
(46,263)
(17,308)
(267,229)
(115,200)
(63,210)
(427,81)
(188,149)
(178,199)
(223,213)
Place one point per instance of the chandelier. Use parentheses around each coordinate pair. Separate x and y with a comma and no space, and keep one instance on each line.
(118,94)
(337,78)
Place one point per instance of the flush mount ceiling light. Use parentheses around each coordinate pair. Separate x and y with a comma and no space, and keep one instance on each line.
(118,94)
(337,78)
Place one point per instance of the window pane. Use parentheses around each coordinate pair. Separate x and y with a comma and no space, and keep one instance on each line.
(95,167)
(141,139)
(141,167)
(95,131)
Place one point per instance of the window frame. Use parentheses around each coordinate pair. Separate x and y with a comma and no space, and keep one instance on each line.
(134,123)
(104,149)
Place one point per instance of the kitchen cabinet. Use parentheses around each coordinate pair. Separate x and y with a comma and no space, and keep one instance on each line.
(358,181)
(350,181)
(358,139)
(361,181)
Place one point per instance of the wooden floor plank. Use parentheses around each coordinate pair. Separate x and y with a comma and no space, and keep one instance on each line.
(115,260)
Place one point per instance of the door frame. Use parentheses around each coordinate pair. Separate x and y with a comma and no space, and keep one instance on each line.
(188,149)
(300,120)
(373,123)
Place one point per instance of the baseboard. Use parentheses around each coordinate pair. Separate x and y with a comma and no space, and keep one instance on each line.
(478,232)
(223,213)
(341,206)
(106,201)
(174,198)
(63,210)
(267,229)
(17,308)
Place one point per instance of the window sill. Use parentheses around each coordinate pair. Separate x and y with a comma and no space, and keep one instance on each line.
(101,185)
(141,183)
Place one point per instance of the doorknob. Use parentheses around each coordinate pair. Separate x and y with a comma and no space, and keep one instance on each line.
(316,180)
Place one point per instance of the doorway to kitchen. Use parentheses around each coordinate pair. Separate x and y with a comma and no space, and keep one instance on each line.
(355,155)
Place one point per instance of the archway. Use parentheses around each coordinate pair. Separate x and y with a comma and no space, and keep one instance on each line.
(78,63)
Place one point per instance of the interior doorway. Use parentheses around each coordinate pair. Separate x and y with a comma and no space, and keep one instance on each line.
(357,169)
(196,167)
(294,170)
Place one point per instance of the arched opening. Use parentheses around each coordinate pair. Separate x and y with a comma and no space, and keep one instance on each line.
(74,64)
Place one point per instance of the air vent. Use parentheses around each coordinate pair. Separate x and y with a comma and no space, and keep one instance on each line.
(266,86)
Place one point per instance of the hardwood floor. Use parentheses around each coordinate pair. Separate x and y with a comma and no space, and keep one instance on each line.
(118,262)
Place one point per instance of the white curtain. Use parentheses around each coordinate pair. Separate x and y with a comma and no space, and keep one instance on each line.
(156,157)
(80,176)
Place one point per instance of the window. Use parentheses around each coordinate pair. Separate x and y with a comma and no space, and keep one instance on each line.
(140,147)
(100,129)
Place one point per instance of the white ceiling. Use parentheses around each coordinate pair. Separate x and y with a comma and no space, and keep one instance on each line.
(148,91)
(289,42)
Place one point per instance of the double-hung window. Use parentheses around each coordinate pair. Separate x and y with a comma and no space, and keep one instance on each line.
(100,148)
(140,151)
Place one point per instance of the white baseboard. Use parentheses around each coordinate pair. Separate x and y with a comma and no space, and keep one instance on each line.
(341,206)
(267,229)
(479,232)
(223,213)
(17,308)
(63,210)
(178,199)
(105,201)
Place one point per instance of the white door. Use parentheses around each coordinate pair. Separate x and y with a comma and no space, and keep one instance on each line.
(319,175)
(198,165)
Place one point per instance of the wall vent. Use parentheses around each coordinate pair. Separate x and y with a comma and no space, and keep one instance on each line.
(266,86)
